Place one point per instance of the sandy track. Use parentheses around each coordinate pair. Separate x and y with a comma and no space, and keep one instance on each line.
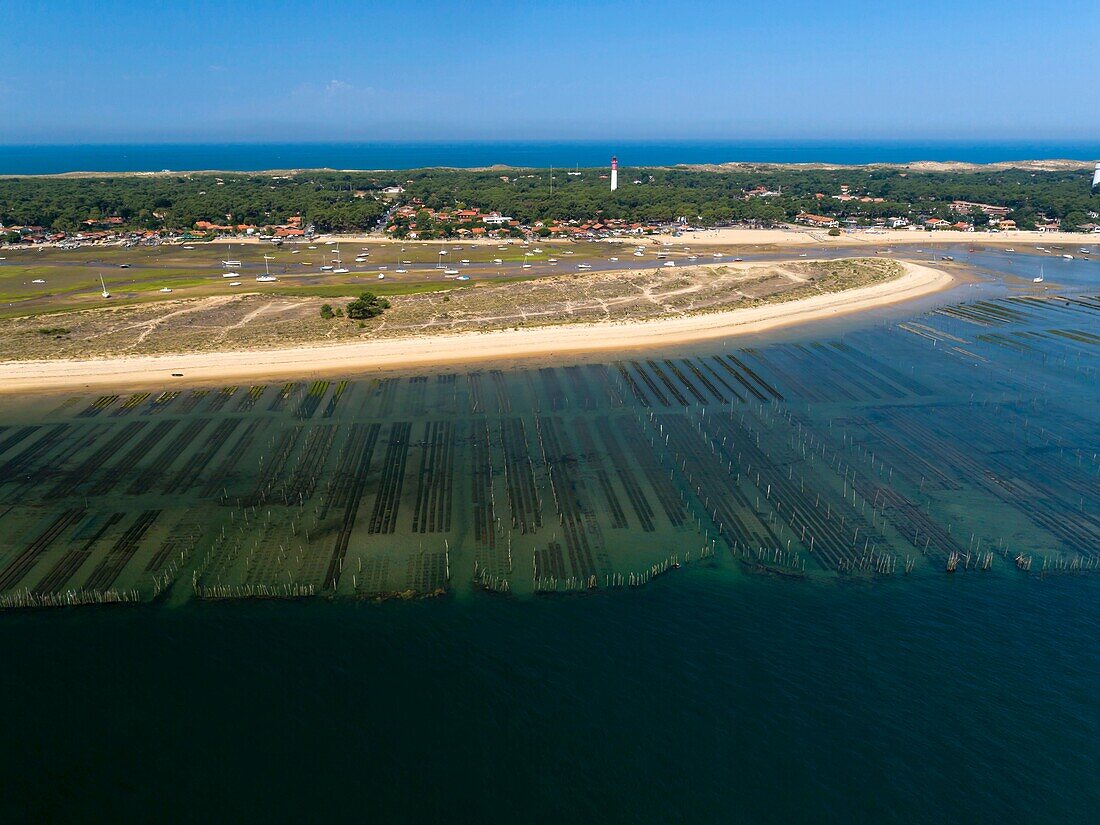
(461,348)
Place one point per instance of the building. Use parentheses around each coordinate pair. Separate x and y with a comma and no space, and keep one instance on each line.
(968,208)
(820,221)
(614,173)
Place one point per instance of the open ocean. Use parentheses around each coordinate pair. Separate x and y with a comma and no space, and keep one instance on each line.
(54,159)
(818,665)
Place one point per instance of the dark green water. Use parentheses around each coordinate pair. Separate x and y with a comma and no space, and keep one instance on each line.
(811,658)
(698,699)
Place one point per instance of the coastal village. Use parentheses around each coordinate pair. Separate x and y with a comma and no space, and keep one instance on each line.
(410,218)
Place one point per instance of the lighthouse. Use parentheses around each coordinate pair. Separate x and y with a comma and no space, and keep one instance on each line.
(1095,175)
(614,174)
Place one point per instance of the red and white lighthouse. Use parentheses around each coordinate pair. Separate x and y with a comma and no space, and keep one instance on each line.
(614,174)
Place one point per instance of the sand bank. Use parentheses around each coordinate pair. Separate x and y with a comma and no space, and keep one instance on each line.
(460,348)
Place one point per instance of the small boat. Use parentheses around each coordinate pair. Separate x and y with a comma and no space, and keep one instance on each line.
(266,279)
(692,257)
(165,289)
(465,261)
(551,260)
(738,260)
(381,276)
(639,254)
(123,266)
(326,267)
(536,250)
(1040,278)
(498,261)
(669,263)
(188,247)
(105,293)
(613,260)
(383,267)
(947,258)
(527,266)
(463,278)
(584,266)
(450,271)
(295,252)
(1068,257)
(1010,250)
(340,270)
(311,247)
(235,283)
(400,271)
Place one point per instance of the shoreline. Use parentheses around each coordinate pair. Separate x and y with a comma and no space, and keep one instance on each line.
(917,281)
(807,236)
(1033,164)
(740,237)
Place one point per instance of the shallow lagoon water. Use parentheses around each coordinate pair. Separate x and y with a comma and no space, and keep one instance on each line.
(757,680)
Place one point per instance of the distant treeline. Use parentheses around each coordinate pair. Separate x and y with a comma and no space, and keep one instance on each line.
(332,201)
(338,201)
(719,197)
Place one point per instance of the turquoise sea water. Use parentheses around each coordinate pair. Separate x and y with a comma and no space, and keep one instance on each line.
(802,672)
(52,159)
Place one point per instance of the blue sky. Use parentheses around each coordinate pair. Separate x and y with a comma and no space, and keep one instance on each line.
(82,72)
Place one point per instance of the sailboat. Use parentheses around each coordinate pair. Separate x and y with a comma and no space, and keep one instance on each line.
(230,266)
(1040,278)
(339,268)
(267,277)
(231,263)
(106,294)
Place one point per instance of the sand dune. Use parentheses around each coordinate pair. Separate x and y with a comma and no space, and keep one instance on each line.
(461,348)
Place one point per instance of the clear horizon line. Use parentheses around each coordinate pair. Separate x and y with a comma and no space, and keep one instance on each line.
(779,142)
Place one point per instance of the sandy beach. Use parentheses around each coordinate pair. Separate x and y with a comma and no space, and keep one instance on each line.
(461,348)
(785,236)
(805,236)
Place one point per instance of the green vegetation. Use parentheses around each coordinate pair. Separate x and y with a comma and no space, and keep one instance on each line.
(714,197)
(353,201)
(326,311)
(331,201)
(52,331)
(367,305)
